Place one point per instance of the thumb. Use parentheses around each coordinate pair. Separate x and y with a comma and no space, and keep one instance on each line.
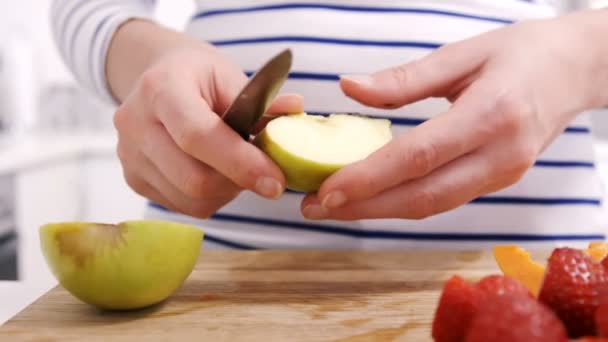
(282,105)
(438,74)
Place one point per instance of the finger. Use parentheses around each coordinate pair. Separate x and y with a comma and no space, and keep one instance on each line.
(447,188)
(468,124)
(190,176)
(286,103)
(152,194)
(147,173)
(145,189)
(443,71)
(283,104)
(202,134)
(200,208)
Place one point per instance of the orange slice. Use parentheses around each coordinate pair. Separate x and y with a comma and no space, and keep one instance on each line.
(515,262)
(597,250)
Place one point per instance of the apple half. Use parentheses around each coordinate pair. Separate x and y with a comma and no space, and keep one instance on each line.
(130,265)
(309,148)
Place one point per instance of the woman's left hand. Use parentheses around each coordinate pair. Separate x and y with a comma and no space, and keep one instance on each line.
(512,92)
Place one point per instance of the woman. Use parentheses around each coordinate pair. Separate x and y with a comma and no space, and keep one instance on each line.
(487,100)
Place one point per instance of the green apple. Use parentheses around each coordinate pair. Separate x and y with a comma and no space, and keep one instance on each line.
(130,265)
(309,148)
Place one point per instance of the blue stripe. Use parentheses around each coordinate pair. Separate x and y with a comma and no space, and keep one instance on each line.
(564,164)
(514,200)
(378,234)
(227,243)
(401,121)
(321,40)
(537,201)
(295,75)
(583,130)
(360,9)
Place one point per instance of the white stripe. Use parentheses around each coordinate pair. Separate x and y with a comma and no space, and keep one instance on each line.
(541,181)
(566,147)
(513,8)
(516,219)
(349,25)
(266,237)
(324,58)
(577,147)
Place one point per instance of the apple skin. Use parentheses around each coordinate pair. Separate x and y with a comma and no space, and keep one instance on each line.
(302,175)
(132,265)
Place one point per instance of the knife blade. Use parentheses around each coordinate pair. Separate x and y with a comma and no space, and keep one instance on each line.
(257,95)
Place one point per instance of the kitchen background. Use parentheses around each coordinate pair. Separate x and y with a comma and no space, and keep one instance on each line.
(57,149)
(57,146)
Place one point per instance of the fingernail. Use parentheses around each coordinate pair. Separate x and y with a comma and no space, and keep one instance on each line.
(364,80)
(333,200)
(268,187)
(314,212)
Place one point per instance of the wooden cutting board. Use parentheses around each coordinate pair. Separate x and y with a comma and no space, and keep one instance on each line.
(271,296)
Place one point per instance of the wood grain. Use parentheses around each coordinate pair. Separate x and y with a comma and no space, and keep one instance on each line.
(271,296)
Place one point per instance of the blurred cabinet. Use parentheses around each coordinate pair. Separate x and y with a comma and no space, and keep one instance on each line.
(30,197)
(8,229)
(44,193)
(107,197)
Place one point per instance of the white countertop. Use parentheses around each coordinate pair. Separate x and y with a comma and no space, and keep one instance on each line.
(22,152)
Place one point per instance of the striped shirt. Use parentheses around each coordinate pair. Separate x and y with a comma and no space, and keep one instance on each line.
(557,202)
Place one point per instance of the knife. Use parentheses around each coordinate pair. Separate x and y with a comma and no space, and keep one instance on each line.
(257,95)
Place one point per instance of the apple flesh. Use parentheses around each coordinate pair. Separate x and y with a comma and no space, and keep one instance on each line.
(130,265)
(309,148)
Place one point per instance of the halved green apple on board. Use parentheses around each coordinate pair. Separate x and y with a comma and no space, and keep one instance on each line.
(130,265)
(310,148)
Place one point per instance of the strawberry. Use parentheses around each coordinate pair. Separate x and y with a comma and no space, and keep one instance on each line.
(515,318)
(591,339)
(502,285)
(572,287)
(601,318)
(455,310)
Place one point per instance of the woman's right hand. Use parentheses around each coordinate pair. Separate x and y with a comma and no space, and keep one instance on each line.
(173,146)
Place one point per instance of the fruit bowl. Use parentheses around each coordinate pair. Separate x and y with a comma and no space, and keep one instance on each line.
(130,265)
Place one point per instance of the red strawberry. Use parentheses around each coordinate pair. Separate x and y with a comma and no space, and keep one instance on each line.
(591,339)
(502,285)
(515,318)
(601,318)
(572,286)
(455,310)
